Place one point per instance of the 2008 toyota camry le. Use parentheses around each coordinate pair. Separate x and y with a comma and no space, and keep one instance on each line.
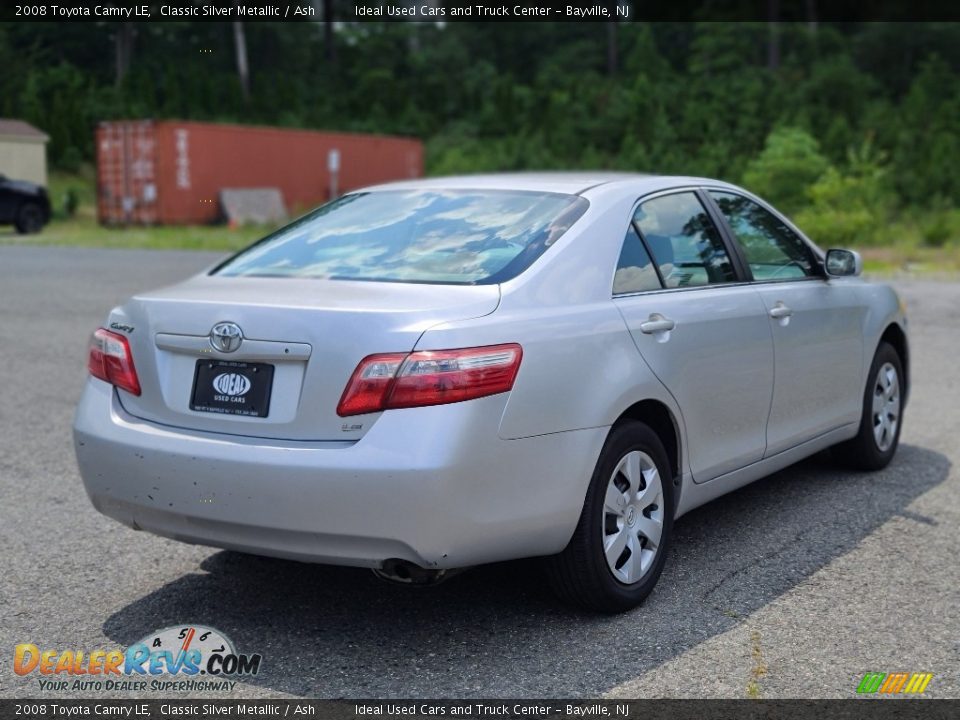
(429,375)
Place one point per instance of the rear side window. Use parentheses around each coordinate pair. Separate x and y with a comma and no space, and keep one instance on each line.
(773,251)
(685,243)
(463,237)
(635,270)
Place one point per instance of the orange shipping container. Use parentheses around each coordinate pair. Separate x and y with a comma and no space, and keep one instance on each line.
(171,172)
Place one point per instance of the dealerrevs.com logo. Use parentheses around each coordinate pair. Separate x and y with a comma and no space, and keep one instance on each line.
(185,657)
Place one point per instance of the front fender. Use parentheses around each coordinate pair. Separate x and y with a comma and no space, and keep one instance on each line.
(885,318)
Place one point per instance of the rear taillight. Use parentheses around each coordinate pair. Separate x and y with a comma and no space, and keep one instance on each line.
(110,360)
(429,377)
(370,384)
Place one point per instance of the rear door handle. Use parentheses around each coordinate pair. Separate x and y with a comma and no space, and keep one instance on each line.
(780,310)
(657,323)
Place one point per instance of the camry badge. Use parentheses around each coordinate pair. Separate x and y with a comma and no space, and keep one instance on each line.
(226,337)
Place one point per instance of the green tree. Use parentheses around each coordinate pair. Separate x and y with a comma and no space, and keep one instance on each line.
(928,143)
(57,99)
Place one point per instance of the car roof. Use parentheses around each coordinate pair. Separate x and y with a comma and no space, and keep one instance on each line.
(572,183)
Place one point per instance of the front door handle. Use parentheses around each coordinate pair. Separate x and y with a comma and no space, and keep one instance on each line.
(780,310)
(657,323)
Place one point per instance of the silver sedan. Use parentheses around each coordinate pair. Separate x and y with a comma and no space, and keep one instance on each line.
(425,376)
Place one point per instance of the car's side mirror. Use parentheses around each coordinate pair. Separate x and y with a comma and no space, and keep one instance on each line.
(843,263)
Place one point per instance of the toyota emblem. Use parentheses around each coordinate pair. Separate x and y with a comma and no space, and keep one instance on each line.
(226,337)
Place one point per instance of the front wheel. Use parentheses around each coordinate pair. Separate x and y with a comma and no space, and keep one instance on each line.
(879,434)
(618,550)
(30,218)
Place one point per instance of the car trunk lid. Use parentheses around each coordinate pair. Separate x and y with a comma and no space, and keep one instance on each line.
(309,333)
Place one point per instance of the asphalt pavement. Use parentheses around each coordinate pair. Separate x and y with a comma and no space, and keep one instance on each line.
(792,587)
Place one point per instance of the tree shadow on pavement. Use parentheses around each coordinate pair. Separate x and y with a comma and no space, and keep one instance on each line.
(496,631)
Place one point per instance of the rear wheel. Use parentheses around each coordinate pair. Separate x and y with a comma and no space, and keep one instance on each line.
(618,550)
(879,435)
(29,218)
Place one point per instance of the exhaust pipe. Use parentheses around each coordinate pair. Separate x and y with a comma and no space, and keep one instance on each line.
(405,572)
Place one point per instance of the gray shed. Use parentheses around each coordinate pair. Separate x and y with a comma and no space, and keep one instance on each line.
(23,151)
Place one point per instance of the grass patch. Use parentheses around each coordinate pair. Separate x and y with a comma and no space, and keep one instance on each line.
(759,669)
(86,232)
(912,260)
(82,229)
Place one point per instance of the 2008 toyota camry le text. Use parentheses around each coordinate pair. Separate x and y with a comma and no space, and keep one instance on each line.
(434,374)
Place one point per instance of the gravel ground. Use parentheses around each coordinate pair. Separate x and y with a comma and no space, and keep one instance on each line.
(792,587)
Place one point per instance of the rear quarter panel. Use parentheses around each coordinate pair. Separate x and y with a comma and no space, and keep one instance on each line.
(580,367)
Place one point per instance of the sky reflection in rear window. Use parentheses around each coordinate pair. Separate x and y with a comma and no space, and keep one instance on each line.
(426,236)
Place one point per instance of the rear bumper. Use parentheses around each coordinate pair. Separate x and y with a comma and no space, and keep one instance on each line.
(435,486)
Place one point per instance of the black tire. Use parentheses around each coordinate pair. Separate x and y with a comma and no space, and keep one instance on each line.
(581,574)
(30,218)
(863,452)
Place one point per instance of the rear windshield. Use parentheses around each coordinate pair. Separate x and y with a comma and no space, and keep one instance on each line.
(464,237)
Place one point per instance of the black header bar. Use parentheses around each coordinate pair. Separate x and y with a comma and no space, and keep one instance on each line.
(474,11)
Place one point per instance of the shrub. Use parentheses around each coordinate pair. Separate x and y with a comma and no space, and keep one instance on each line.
(789,164)
(850,207)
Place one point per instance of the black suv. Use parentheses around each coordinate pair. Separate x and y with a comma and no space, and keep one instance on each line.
(23,204)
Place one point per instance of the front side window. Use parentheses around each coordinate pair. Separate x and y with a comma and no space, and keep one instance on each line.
(773,250)
(462,237)
(685,243)
(635,271)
